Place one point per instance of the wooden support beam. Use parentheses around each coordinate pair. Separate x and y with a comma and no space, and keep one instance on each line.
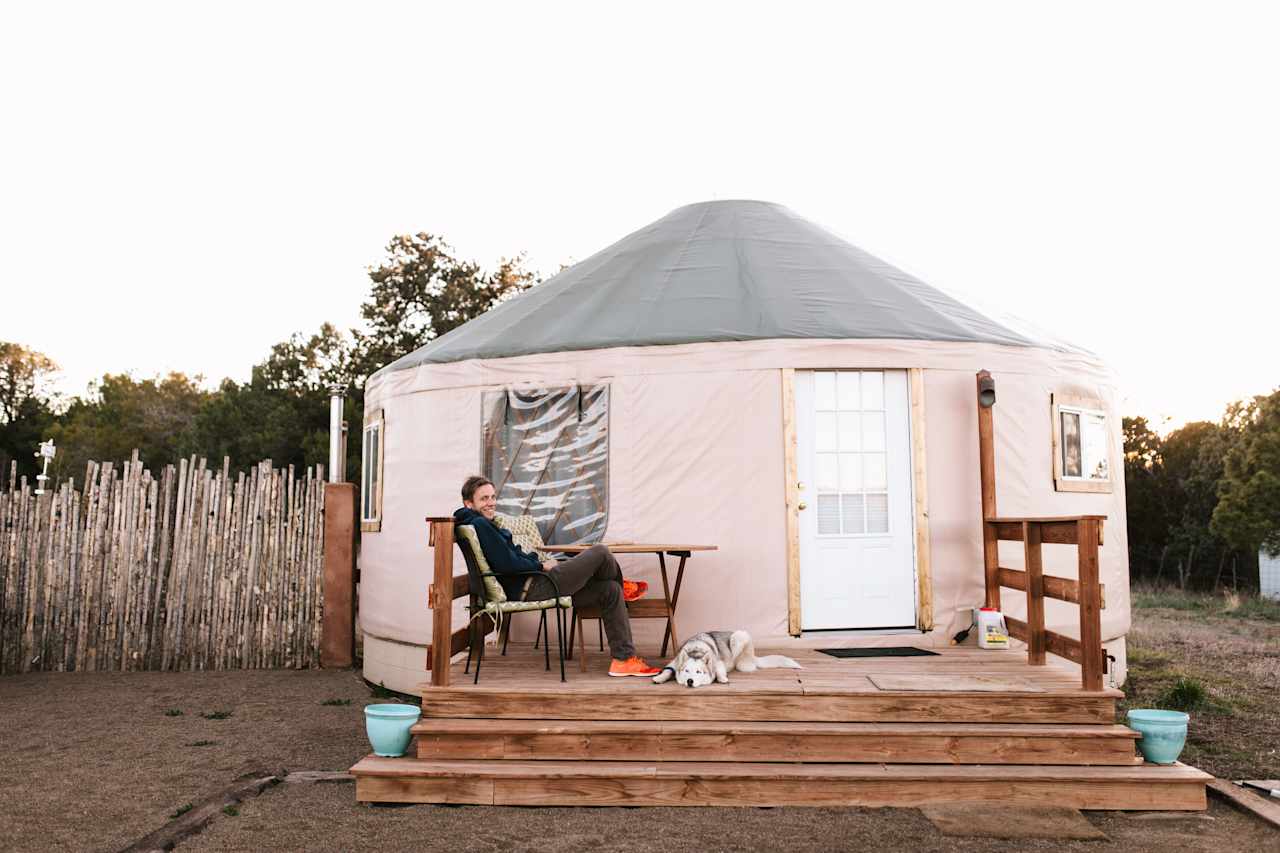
(461,638)
(987,475)
(1055,531)
(1035,593)
(1062,589)
(442,601)
(461,587)
(791,491)
(1054,643)
(920,491)
(1089,538)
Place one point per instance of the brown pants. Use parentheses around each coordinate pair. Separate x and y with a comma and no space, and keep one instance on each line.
(594,579)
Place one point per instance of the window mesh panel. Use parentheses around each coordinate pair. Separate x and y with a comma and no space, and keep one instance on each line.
(828,514)
(853,519)
(877,513)
(547,453)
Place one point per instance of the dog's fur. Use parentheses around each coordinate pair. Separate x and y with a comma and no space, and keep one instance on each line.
(712,655)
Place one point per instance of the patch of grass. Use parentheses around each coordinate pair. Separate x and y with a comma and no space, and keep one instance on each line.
(1186,694)
(336,702)
(182,810)
(216,715)
(380,691)
(1230,603)
(230,811)
(202,743)
(173,712)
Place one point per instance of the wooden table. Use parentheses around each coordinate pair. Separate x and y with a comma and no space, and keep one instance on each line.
(649,608)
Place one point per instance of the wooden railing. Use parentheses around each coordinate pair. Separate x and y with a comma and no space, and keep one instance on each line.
(1085,532)
(446,587)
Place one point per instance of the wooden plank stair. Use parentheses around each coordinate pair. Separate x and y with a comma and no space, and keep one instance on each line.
(679,783)
(900,743)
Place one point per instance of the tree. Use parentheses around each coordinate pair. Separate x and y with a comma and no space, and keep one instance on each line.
(27,404)
(421,292)
(155,416)
(1248,512)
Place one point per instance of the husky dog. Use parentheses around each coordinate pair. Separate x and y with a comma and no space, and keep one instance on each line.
(712,655)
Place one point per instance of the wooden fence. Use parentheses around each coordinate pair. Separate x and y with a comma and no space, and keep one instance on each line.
(195,569)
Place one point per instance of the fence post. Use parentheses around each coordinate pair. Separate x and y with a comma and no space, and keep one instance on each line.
(1090,604)
(337,632)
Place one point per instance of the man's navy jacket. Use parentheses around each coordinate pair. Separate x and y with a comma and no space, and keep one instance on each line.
(502,554)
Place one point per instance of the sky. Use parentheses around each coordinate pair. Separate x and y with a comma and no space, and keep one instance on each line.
(184,185)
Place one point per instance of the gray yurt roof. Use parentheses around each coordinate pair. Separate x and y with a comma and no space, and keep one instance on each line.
(717,271)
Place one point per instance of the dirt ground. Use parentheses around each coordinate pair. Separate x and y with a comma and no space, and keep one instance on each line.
(1233,655)
(94,761)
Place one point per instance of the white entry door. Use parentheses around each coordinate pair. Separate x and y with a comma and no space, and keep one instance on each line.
(857,537)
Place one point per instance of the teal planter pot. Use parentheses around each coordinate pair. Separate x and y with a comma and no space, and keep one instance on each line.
(1164,733)
(388,727)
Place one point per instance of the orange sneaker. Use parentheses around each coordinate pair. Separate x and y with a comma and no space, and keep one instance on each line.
(632,666)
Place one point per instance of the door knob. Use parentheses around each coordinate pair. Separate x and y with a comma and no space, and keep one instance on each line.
(802,505)
(800,486)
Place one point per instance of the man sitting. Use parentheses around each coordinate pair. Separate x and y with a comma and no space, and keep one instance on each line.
(593,577)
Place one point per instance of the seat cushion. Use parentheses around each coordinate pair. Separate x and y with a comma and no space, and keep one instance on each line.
(521,606)
(524,532)
(493,590)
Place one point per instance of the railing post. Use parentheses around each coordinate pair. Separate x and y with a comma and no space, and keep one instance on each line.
(1090,605)
(986,398)
(1031,536)
(441,600)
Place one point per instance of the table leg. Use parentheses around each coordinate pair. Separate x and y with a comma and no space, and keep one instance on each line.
(669,631)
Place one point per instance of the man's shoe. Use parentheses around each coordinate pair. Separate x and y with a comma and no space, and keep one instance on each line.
(632,666)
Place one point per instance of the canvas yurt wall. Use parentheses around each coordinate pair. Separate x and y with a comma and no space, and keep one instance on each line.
(695,428)
(696,456)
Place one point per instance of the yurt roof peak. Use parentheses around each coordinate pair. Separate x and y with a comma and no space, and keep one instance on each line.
(718,271)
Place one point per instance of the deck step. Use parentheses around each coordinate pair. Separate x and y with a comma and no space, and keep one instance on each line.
(679,783)
(899,743)
(799,705)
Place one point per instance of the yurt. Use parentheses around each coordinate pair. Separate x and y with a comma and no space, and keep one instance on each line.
(733,375)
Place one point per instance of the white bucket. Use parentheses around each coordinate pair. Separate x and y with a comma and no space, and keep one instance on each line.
(992,631)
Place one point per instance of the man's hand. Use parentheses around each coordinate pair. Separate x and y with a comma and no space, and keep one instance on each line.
(548,565)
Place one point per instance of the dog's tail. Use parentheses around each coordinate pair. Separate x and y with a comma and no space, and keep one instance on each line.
(777,662)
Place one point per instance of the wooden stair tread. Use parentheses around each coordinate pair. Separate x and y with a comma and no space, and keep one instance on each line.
(492,727)
(373,765)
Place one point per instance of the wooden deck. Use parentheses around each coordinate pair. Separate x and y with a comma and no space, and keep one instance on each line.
(860,731)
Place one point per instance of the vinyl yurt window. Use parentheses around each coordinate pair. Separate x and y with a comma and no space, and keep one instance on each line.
(1081,450)
(547,452)
(371,472)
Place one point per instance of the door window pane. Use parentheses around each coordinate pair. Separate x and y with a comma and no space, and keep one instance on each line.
(824,391)
(878,513)
(826,423)
(828,472)
(828,514)
(847,391)
(854,521)
(850,472)
(872,390)
(873,431)
(874,475)
(849,432)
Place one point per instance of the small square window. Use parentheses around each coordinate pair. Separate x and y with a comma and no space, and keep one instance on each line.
(371,473)
(1081,445)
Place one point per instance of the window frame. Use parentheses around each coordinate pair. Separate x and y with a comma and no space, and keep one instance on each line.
(374,421)
(1063,482)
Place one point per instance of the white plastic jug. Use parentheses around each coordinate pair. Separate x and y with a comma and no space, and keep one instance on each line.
(992,631)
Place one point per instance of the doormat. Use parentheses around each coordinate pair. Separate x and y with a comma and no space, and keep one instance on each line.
(884,652)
